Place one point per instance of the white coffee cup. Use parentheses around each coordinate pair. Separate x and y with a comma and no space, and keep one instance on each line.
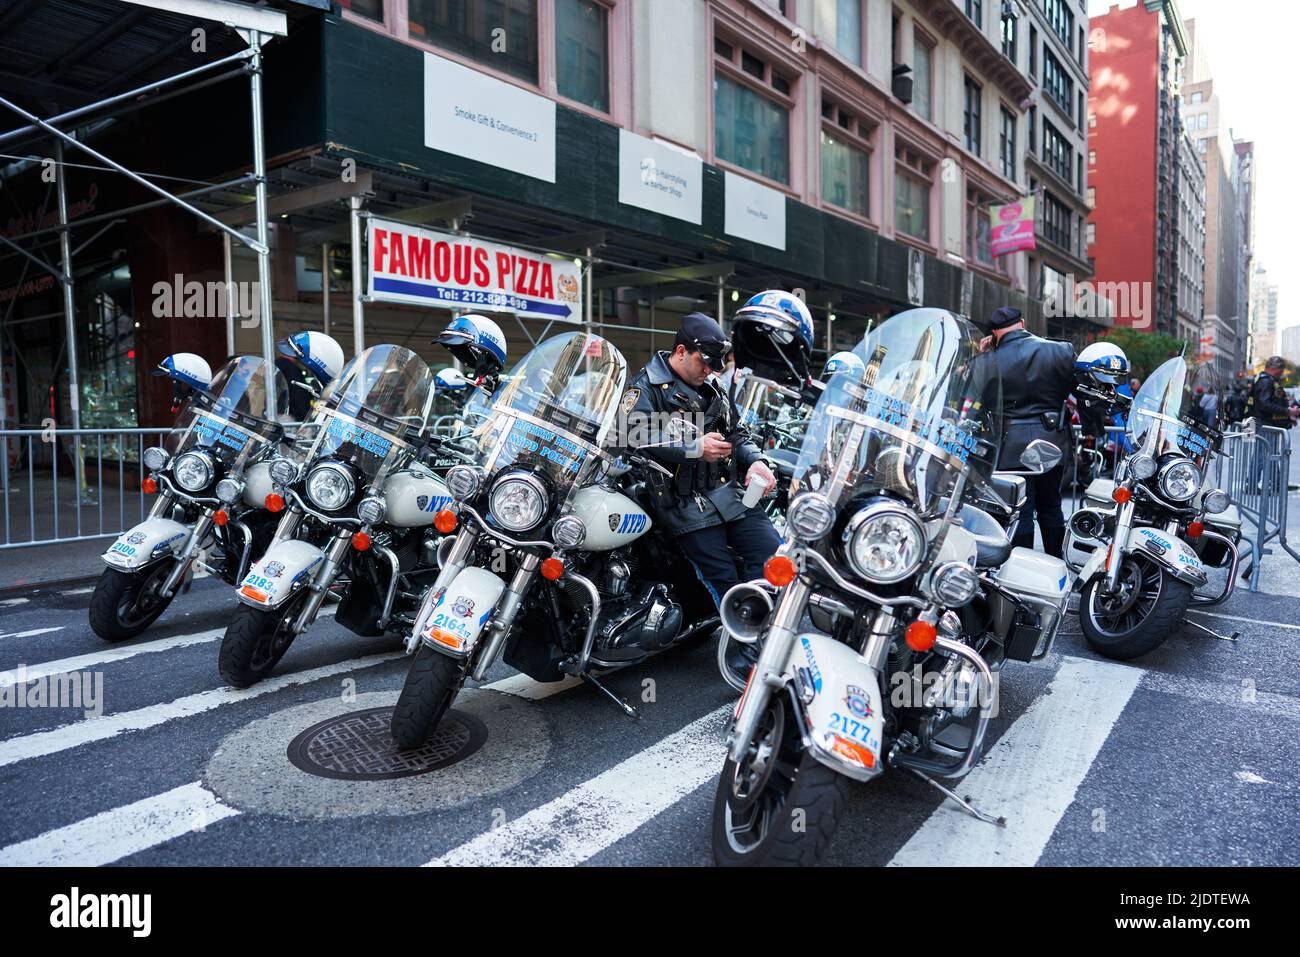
(755,490)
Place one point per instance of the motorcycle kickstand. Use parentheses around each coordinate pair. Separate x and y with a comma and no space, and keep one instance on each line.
(628,710)
(1211,632)
(964,804)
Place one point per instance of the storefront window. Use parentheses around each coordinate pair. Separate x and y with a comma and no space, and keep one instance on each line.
(844,175)
(370,9)
(582,52)
(501,34)
(751,131)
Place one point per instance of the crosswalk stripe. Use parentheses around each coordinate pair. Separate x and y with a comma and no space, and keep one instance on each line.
(1030,775)
(584,821)
(122,831)
(108,656)
(42,743)
(522,686)
(32,633)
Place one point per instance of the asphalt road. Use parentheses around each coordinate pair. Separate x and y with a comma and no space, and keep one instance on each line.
(1186,758)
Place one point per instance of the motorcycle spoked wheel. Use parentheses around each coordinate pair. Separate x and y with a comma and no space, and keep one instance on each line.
(125,604)
(1143,612)
(754,809)
(430,687)
(256,640)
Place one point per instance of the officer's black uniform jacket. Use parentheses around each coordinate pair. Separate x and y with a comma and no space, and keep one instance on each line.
(1267,402)
(1037,376)
(700,494)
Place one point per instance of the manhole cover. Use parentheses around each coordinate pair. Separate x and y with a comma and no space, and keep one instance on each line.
(359,747)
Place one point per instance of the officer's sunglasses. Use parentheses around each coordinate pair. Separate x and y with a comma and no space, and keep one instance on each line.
(713,352)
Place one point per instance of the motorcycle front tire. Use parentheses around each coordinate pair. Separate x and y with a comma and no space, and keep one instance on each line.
(430,687)
(253,644)
(119,609)
(1159,620)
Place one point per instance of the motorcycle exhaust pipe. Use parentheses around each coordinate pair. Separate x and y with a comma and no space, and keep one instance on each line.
(743,610)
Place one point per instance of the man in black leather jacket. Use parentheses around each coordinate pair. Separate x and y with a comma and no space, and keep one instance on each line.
(701,503)
(1267,401)
(1037,377)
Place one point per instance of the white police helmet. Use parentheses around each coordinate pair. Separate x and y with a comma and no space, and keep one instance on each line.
(477,342)
(449,380)
(843,362)
(316,352)
(773,332)
(1103,361)
(187,369)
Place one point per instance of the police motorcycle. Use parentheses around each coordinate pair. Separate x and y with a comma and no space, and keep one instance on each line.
(479,346)
(1143,541)
(211,477)
(894,599)
(556,567)
(358,517)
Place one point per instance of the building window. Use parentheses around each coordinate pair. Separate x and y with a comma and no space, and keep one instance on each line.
(1079,177)
(1057,82)
(1092,234)
(582,52)
(1056,221)
(472,28)
(1092,197)
(848,29)
(1033,53)
(1061,19)
(913,176)
(975,10)
(1082,110)
(1009,32)
(1007,144)
(751,128)
(1203,121)
(922,57)
(1196,96)
(846,159)
(1057,152)
(1033,129)
(979,230)
(1092,121)
(973,116)
(370,9)
(1092,157)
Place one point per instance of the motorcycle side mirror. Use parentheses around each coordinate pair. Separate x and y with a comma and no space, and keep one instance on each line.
(1040,456)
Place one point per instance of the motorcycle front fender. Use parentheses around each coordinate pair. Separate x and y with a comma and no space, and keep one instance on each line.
(152,539)
(844,725)
(1175,555)
(458,617)
(283,570)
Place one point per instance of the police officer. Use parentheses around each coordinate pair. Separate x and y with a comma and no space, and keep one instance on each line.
(1267,400)
(701,503)
(1037,377)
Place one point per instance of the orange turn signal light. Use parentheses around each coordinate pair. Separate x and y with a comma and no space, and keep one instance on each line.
(361,541)
(920,635)
(220,517)
(275,502)
(1121,494)
(1194,529)
(149,486)
(779,570)
(552,569)
(445,521)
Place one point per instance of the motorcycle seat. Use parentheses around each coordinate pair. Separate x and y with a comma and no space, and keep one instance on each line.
(992,543)
(1011,488)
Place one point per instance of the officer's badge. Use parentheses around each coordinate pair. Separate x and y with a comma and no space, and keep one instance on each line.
(422,502)
(614,519)
(463,606)
(273,569)
(629,400)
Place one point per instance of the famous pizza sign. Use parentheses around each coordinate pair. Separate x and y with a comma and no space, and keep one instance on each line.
(429,268)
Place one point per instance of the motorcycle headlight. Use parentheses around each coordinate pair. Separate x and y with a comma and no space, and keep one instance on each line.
(1180,480)
(464,481)
(954,584)
(371,510)
(329,486)
(193,471)
(1216,501)
(885,543)
(518,502)
(1143,466)
(811,516)
(230,490)
(155,458)
(569,531)
(284,471)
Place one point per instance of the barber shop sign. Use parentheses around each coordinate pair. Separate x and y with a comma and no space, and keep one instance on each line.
(430,268)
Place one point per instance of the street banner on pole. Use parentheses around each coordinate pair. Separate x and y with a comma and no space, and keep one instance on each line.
(1013,226)
(430,268)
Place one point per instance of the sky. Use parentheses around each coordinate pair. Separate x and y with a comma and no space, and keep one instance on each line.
(1252,54)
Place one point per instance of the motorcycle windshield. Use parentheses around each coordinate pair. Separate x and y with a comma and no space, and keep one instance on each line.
(1172,414)
(372,415)
(554,412)
(922,423)
(228,420)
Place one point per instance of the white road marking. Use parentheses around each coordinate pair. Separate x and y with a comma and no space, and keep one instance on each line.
(586,820)
(42,743)
(1030,775)
(78,591)
(1250,777)
(109,655)
(33,633)
(13,601)
(522,686)
(1253,621)
(122,831)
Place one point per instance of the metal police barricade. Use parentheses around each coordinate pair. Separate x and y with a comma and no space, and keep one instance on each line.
(1254,468)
